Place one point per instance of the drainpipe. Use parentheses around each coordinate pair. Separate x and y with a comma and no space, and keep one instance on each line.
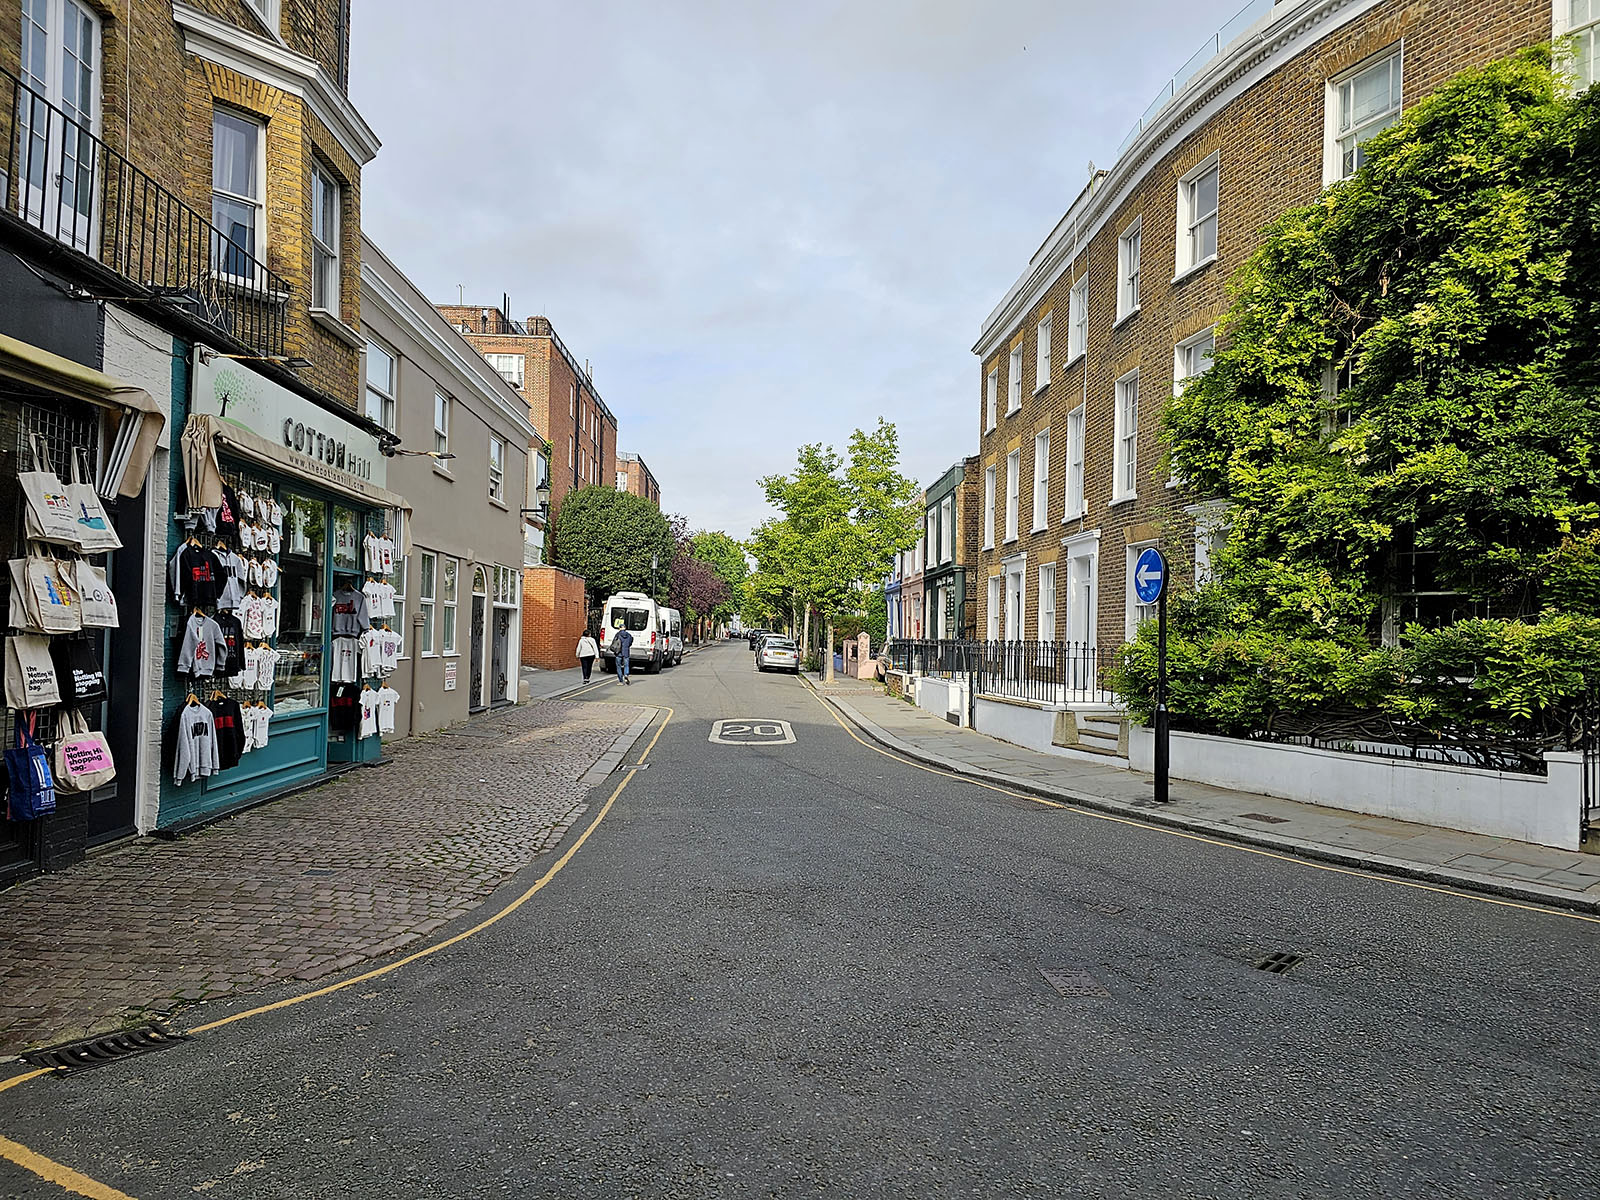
(418,620)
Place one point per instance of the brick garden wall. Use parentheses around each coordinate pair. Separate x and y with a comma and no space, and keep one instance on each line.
(553,617)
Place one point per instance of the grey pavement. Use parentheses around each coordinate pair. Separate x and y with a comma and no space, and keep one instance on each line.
(797,969)
(1540,874)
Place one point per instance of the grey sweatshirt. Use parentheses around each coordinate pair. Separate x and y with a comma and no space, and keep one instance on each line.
(203,653)
(197,744)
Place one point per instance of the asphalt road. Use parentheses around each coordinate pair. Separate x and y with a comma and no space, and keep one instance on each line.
(803,968)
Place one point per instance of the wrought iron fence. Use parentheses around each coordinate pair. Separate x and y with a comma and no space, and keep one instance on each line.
(63,181)
(1046,672)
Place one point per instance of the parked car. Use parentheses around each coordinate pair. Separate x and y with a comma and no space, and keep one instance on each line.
(641,616)
(778,654)
(755,637)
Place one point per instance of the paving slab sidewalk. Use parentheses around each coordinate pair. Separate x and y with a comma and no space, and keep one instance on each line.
(1539,874)
(306,886)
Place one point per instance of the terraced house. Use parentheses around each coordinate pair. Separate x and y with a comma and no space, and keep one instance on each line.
(1118,306)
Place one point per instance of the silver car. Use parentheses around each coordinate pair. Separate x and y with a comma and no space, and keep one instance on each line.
(778,654)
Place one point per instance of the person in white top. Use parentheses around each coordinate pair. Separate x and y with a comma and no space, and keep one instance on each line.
(587,653)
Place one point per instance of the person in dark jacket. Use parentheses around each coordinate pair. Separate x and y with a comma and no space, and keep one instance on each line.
(624,646)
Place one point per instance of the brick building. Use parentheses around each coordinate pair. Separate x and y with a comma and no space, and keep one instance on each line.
(633,476)
(554,615)
(562,401)
(950,528)
(1118,306)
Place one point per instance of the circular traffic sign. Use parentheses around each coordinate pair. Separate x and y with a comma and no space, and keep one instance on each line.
(1149,576)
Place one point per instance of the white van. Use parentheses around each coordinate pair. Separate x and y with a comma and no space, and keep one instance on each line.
(672,628)
(640,616)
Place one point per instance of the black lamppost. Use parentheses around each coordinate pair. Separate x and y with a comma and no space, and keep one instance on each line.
(655,562)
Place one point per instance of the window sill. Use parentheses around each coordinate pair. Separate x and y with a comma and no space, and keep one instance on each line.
(1126,317)
(1174,482)
(989,546)
(1011,412)
(325,320)
(1069,518)
(1040,529)
(443,472)
(1074,360)
(1184,274)
(500,504)
(1121,500)
(1010,541)
(1041,387)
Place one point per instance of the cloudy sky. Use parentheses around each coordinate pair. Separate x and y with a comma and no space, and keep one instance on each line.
(762,223)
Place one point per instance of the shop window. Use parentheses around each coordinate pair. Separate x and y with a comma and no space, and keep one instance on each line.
(302,597)
(428,572)
(447,605)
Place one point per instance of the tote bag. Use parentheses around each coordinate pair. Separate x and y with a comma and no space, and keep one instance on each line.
(95,594)
(30,675)
(82,757)
(50,515)
(33,791)
(79,675)
(51,594)
(18,616)
(94,529)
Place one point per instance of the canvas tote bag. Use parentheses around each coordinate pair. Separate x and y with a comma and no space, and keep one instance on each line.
(83,758)
(95,594)
(30,673)
(50,515)
(50,594)
(33,790)
(95,532)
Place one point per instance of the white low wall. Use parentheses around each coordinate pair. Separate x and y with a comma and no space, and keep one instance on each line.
(1032,726)
(1527,808)
(942,697)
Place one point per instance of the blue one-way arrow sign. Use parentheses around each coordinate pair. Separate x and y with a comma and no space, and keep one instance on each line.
(1150,576)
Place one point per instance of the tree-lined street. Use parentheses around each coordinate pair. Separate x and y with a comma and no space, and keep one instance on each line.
(796,968)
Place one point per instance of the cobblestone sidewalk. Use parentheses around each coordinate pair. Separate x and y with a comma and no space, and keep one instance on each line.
(301,887)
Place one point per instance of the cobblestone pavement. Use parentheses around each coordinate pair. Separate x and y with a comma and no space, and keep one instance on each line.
(301,887)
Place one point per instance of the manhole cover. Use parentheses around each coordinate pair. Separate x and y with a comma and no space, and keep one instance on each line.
(1075,985)
(1280,961)
(108,1048)
(1263,817)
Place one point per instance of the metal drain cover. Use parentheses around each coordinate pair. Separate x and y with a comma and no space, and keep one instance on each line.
(1280,961)
(1075,985)
(108,1048)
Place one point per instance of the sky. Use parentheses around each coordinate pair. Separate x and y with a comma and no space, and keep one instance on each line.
(762,224)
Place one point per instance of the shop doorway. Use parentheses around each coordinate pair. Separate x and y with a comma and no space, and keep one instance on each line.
(500,655)
(480,612)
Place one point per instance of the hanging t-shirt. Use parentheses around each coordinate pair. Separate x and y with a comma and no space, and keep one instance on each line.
(247,505)
(253,617)
(350,616)
(269,574)
(245,679)
(269,668)
(228,720)
(388,702)
(369,712)
(233,640)
(345,652)
(369,554)
(263,722)
(269,615)
(196,576)
(371,653)
(344,707)
(392,649)
(385,556)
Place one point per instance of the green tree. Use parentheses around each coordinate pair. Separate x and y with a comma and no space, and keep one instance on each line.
(727,558)
(609,537)
(1405,390)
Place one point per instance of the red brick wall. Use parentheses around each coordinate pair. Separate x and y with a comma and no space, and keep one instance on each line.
(553,617)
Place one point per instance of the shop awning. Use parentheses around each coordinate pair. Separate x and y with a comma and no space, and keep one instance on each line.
(141,416)
(203,434)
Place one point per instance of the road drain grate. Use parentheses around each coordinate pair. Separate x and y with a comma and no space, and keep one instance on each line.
(1280,961)
(1075,985)
(1264,817)
(108,1048)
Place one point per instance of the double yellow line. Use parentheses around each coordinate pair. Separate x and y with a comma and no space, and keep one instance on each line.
(79,1184)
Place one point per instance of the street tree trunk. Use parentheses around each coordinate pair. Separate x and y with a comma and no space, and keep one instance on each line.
(805,640)
(827,654)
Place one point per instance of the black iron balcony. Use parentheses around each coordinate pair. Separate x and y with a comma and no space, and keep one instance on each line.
(64,182)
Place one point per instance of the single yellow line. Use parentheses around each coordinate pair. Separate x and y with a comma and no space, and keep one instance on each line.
(1201,838)
(53,1172)
(8,1084)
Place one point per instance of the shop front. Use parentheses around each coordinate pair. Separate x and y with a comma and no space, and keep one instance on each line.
(281,618)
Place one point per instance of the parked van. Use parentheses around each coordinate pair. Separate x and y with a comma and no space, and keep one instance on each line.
(672,629)
(640,616)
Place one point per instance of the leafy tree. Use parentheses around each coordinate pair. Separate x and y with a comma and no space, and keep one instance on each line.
(726,557)
(1406,380)
(608,537)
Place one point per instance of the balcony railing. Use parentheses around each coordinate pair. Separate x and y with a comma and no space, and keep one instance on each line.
(63,181)
(1045,672)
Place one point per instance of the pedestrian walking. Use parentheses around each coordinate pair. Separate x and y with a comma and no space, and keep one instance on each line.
(587,653)
(624,647)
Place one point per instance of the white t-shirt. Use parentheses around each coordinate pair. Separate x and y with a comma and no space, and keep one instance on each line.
(389,654)
(385,556)
(388,701)
(246,679)
(345,652)
(372,653)
(269,668)
(369,712)
(269,611)
(253,617)
(369,553)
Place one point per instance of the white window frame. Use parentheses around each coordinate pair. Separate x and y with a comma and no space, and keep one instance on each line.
(993,383)
(996,595)
(1082,554)
(1046,626)
(1042,352)
(1191,222)
(441,425)
(267,12)
(447,606)
(427,600)
(1125,455)
(1041,480)
(1078,320)
(386,400)
(1130,255)
(325,282)
(1074,498)
(1014,382)
(402,571)
(989,485)
(63,196)
(258,250)
(1135,613)
(1016,598)
(1582,59)
(1183,358)
(1013,492)
(1212,522)
(947,536)
(1333,150)
(510,367)
(497,468)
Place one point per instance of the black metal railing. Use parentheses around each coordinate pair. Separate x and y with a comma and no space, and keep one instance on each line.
(1045,672)
(63,181)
